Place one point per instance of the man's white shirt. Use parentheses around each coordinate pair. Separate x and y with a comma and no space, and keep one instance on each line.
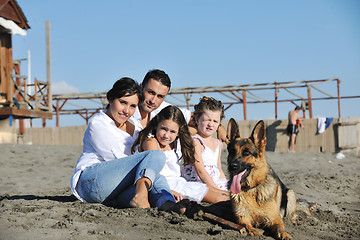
(136,117)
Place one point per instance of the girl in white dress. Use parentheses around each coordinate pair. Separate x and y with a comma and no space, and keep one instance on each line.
(207,165)
(168,132)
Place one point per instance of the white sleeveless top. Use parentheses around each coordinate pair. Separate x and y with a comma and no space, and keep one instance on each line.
(194,191)
(172,165)
(210,159)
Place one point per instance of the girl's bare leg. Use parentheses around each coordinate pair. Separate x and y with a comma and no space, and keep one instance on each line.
(216,195)
(141,199)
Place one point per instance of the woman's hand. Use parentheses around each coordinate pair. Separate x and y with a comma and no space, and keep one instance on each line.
(177,196)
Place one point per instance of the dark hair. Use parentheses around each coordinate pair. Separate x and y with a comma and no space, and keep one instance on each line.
(169,113)
(208,103)
(157,75)
(123,86)
(297,108)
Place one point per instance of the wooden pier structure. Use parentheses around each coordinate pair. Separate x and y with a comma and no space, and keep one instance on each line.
(15,100)
(230,95)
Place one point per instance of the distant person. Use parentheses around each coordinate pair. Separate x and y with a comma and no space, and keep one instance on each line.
(106,172)
(207,165)
(168,132)
(294,121)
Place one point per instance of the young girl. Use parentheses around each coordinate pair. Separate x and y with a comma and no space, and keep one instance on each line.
(168,132)
(207,165)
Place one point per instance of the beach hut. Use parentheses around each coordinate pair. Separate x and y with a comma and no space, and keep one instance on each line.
(15,100)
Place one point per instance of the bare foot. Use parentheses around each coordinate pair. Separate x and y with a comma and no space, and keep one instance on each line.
(140,201)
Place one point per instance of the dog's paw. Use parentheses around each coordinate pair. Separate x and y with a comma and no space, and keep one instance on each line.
(283,235)
(254,233)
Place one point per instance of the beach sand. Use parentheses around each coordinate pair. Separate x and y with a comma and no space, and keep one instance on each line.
(36,201)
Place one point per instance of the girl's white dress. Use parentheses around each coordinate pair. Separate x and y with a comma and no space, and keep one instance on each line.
(210,159)
(194,191)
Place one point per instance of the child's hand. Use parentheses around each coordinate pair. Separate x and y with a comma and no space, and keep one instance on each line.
(177,196)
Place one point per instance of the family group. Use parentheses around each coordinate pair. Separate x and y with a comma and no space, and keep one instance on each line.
(143,152)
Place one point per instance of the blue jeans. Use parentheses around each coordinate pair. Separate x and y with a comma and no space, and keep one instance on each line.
(113,182)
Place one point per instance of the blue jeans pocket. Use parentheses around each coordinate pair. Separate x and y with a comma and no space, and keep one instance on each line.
(90,191)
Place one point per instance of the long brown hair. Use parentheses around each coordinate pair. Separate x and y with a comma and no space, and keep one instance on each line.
(169,113)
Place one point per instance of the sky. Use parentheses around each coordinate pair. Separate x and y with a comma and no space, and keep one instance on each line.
(197,43)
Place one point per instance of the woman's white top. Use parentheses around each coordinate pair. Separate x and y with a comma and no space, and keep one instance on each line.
(103,141)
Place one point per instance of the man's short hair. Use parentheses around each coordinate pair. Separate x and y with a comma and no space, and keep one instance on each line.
(157,75)
(297,108)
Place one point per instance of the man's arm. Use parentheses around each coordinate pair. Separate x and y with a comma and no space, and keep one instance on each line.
(298,119)
(221,133)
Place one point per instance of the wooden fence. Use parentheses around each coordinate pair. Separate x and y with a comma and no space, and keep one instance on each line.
(342,134)
(55,136)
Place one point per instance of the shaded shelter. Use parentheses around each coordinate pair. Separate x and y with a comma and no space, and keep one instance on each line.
(15,100)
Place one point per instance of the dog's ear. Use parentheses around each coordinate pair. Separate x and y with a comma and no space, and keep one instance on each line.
(232,131)
(258,135)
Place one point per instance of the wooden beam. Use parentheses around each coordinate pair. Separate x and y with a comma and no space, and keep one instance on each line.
(23,113)
(276,102)
(309,101)
(338,97)
(244,105)
(48,65)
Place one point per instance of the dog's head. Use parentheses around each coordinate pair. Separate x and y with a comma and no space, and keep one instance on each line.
(246,160)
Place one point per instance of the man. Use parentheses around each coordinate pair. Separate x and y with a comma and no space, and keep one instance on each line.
(155,87)
(294,121)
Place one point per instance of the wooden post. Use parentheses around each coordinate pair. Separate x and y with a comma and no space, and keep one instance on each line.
(310,100)
(6,66)
(276,102)
(48,65)
(87,117)
(36,95)
(19,98)
(244,104)
(187,101)
(57,113)
(338,96)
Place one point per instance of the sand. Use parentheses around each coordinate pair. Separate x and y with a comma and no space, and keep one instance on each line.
(36,201)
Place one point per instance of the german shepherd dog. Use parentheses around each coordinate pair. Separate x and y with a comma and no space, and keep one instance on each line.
(258,197)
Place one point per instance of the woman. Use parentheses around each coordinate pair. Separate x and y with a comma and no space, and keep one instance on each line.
(106,172)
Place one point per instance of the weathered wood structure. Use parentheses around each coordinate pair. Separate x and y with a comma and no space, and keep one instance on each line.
(15,100)
(230,95)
